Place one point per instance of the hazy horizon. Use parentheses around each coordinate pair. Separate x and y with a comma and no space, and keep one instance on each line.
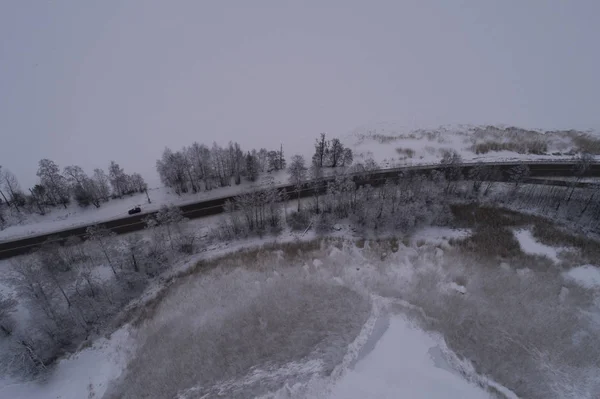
(84,84)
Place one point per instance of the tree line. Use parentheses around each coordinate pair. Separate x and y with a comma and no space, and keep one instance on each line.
(192,169)
(198,167)
(58,188)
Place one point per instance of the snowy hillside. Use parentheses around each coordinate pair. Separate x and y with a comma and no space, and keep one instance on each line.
(391,145)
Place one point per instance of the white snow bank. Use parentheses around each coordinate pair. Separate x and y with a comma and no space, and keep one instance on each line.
(406,362)
(588,276)
(530,246)
(457,287)
(83,375)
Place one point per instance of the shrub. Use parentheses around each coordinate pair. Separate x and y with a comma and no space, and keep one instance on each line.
(407,152)
(299,221)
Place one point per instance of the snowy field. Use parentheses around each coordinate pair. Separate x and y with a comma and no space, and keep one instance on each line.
(391,145)
(304,318)
(387,144)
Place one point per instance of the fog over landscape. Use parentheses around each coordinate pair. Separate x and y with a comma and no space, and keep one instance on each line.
(85,83)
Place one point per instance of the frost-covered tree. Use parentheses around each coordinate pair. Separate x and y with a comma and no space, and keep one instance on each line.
(297,174)
(52,265)
(132,251)
(272,160)
(118,179)
(263,159)
(170,218)
(200,160)
(173,169)
(102,184)
(84,189)
(103,239)
(55,185)
(138,183)
(254,212)
(275,160)
(221,166)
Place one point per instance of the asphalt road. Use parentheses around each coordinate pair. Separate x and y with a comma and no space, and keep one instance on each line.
(538,170)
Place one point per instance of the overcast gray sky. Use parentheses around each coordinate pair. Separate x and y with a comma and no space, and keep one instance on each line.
(86,82)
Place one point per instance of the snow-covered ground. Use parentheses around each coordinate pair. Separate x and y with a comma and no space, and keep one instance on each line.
(407,362)
(530,245)
(340,295)
(587,276)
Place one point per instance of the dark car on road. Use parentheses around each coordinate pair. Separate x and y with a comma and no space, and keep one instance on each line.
(135,210)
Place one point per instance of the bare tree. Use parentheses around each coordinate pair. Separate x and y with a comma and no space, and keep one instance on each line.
(451,163)
(52,265)
(9,183)
(32,285)
(132,250)
(321,151)
(7,306)
(347,157)
(38,198)
(583,163)
(478,174)
(103,239)
(518,173)
(298,172)
(316,182)
(170,218)
(336,153)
